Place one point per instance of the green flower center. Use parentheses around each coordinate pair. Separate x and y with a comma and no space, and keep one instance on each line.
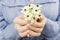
(36,10)
(24,9)
(29,5)
(39,15)
(37,5)
(27,15)
(33,17)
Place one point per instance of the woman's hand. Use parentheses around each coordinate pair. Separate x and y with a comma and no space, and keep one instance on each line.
(37,27)
(27,28)
(21,26)
(21,20)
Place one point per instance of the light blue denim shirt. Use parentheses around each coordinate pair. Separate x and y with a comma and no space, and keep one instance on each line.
(9,9)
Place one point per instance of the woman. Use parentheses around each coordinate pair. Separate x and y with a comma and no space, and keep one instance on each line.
(10,10)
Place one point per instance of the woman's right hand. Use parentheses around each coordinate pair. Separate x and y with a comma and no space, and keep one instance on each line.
(21,25)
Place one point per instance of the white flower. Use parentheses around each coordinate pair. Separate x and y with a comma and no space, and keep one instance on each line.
(32,12)
(28,16)
(33,19)
(37,6)
(40,15)
(25,9)
(31,5)
(36,11)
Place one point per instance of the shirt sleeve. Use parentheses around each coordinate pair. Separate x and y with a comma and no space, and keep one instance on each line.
(3,23)
(52,28)
(10,33)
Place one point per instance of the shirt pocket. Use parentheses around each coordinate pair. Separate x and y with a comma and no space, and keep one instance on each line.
(49,8)
(11,11)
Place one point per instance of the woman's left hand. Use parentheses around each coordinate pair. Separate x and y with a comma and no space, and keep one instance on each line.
(36,28)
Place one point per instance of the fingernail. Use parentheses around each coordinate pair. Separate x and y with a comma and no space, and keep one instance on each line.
(28,35)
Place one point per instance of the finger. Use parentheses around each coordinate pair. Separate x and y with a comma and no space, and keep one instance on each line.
(28,35)
(21,21)
(35,29)
(20,28)
(34,34)
(23,34)
(39,24)
(42,21)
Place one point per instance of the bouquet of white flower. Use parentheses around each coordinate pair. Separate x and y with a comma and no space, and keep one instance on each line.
(32,12)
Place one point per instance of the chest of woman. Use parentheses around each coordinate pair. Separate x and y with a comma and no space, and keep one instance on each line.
(12,8)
